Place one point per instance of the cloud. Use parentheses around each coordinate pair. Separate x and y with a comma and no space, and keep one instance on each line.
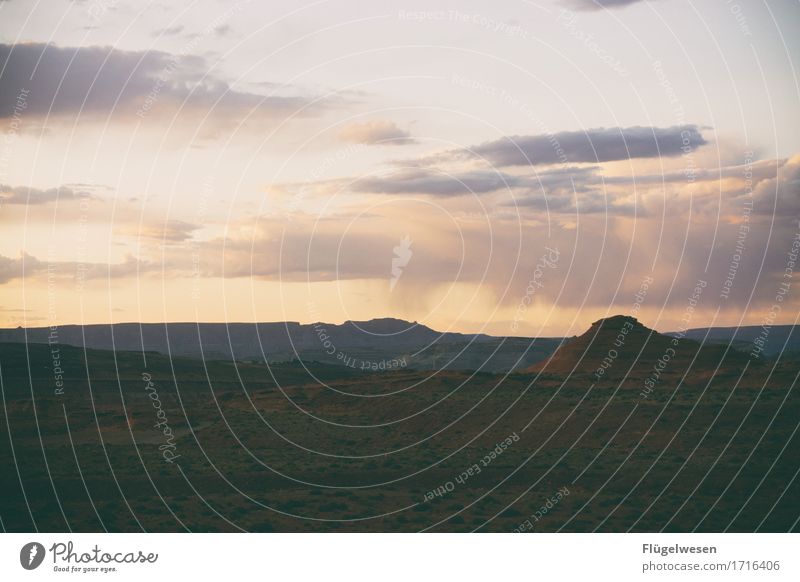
(495,253)
(434,182)
(772,186)
(337,249)
(223,30)
(583,203)
(378,132)
(29,267)
(11,268)
(759,170)
(589,146)
(776,195)
(599,4)
(68,81)
(572,190)
(437,183)
(621,189)
(31,196)
(172,231)
(169,31)
(675,232)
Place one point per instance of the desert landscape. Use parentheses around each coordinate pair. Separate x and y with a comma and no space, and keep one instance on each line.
(347,267)
(595,435)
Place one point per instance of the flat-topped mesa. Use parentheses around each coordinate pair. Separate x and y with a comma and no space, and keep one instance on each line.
(386,325)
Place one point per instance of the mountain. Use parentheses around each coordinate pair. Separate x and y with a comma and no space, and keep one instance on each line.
(610,347)
(776,339)
(374,345)
(241,341)
(621,346)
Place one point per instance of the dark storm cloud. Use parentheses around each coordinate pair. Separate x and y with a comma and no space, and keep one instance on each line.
(589,146)
(64,81)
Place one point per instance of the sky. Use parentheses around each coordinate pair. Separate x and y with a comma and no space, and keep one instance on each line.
(514,168)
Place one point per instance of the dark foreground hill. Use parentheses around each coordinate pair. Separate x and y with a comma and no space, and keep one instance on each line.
(94,440)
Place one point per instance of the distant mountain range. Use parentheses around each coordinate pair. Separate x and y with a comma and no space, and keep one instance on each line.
(241,340)
(776,339)
(377,344)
